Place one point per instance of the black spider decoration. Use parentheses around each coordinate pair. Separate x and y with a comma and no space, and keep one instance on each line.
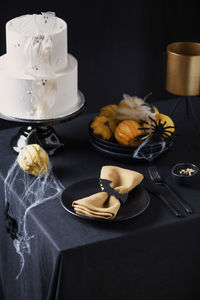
(157,131)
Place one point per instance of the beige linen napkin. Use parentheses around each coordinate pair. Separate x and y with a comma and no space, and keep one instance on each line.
(101,205)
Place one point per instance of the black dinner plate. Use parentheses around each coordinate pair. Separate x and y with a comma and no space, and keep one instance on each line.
(138,200)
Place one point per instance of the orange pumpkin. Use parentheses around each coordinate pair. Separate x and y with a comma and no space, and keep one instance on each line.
(127,133)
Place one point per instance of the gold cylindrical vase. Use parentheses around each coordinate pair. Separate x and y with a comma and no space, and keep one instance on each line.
(183,68)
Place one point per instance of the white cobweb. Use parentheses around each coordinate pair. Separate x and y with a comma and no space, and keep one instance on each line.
(149,151)
(23,192)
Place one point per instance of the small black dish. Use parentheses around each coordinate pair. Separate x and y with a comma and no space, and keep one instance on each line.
(181,178)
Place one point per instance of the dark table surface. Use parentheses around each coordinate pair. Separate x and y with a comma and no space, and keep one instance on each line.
(153,256)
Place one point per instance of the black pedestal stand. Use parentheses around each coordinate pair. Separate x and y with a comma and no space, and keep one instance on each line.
(190,111)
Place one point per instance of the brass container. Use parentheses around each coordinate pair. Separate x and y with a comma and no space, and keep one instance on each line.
(183,68)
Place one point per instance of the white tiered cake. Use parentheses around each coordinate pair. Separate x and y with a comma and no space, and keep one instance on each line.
(38,79)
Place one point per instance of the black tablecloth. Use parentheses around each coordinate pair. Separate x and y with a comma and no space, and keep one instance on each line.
(153,256)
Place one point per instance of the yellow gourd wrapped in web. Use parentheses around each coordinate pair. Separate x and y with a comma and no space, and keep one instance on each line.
(33,160)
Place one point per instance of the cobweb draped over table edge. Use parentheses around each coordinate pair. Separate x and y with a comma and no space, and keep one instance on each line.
(24,192)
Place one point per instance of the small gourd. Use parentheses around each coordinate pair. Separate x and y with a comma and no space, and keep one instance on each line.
(103,126)
(109,111)
(33,160)
(128,133)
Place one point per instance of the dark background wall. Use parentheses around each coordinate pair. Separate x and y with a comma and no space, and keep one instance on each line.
(120,45)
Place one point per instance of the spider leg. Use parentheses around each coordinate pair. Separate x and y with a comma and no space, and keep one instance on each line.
(164,123)
(166,127)
(145,128)
(168,131)
(166,135)
(154,122)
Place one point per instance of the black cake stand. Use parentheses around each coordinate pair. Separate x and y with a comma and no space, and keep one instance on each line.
(40,131)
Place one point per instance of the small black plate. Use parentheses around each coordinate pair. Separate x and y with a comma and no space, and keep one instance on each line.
(138,200)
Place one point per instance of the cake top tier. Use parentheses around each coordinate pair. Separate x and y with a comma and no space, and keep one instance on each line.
(33,25)
(36,44)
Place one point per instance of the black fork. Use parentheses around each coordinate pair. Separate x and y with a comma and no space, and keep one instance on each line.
(158,179)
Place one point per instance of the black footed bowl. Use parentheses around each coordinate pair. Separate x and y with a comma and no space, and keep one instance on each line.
(181,178)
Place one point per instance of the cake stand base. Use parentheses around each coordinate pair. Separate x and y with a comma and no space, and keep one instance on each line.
(41,131)
(45,136)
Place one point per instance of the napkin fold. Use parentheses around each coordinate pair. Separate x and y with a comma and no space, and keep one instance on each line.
(105,206)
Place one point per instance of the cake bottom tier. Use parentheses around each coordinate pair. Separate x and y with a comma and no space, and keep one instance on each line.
(27,97)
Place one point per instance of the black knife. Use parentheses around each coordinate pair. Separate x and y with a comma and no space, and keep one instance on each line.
(151,188)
